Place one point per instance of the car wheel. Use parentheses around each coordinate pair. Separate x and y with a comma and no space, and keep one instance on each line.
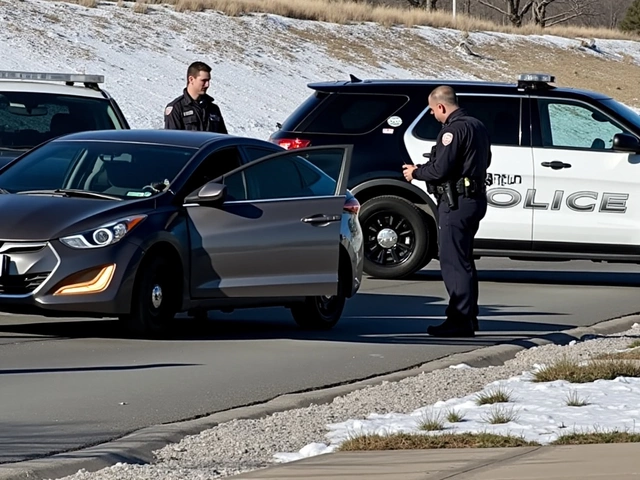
(319,313)
(396,236)
(154,303)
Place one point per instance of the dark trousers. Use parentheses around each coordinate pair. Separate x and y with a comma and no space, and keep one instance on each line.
(458,228)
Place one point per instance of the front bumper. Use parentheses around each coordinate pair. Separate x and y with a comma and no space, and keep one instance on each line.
(35,270)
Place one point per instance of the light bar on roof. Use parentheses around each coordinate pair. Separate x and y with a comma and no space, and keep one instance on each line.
(536,77)
(52,77)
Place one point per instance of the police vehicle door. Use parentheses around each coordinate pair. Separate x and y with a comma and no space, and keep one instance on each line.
(511,172)
(584,191)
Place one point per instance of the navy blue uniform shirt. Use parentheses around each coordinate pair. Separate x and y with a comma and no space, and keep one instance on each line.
(463,149)
(185,113)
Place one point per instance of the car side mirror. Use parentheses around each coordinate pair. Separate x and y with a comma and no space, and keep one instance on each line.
(211,193)
(623,142)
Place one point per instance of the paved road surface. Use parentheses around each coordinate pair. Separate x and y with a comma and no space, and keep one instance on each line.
(69,383)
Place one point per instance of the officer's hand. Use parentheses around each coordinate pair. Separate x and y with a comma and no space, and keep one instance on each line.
(407,171)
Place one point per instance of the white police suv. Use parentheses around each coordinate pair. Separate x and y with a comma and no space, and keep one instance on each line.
(36,107)
(563,182)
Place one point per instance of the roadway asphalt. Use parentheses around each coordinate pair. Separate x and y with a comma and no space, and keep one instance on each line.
(69,383)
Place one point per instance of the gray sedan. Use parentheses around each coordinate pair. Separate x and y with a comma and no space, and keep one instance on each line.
(143,224)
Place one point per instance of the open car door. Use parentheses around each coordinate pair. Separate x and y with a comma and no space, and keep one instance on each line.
(270,228)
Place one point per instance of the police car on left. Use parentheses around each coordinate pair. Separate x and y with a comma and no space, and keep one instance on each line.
(36,107)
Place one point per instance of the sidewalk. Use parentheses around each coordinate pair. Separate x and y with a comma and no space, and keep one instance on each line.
(576,462)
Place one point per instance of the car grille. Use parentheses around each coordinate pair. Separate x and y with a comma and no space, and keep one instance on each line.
(16,248)
(21,284)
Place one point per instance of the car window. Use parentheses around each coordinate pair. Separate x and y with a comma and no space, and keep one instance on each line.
(213,166)
(127,170)
(351,113)
(284,177)
(567,124)
(500,115)
(254,153)
(27,119)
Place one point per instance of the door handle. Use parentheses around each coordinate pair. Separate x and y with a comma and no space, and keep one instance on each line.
(556,165)
(321,219)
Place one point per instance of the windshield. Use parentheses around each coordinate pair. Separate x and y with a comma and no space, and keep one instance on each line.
(27,119)
(123,170)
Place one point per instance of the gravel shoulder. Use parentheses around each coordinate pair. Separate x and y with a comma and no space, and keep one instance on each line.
(244,445)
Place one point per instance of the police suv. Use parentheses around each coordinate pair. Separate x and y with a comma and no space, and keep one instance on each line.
(563,181)
(35,107)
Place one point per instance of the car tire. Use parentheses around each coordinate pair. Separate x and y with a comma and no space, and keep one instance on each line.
(154,303)
(319,313)
(388,252)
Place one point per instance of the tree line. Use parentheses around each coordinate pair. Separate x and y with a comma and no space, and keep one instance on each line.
(614,14)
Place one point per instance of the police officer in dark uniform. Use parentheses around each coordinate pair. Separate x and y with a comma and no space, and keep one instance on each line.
(194,109)
(456,174)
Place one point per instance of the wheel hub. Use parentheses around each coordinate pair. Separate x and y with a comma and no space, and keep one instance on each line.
(156,296)
(387,238)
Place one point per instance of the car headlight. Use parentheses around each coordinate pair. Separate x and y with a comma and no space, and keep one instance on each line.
(103,236)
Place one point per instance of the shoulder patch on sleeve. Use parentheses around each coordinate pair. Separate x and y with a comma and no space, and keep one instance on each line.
(168,110)
(447,138)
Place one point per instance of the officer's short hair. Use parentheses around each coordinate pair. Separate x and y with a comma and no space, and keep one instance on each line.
(445,94)
(196,67)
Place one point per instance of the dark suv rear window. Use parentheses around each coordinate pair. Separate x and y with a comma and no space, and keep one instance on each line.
(28,119)
(501,116)
(353,113)
(304,109)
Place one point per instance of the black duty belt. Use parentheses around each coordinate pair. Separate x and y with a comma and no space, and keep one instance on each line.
(465,186)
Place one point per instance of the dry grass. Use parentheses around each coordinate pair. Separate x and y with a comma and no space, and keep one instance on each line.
(453,416)
(574,400)
(634,344)
(573,372)
(626,355)
(431,422)
(614,436)
(140,7)
(500,414)
(348,11)
(405,441)
(499,395)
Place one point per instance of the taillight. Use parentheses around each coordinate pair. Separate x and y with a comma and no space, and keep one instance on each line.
(291,143)
(352,205)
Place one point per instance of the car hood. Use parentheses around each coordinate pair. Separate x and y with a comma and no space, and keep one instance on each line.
(45,217)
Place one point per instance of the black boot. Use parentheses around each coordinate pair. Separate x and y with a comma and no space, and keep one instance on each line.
(452,329)
(476,327)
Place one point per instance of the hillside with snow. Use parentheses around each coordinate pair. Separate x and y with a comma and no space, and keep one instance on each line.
(262,63)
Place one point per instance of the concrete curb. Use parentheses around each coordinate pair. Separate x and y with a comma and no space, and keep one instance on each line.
(138,447)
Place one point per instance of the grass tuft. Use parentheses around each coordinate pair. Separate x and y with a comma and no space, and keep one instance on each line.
(574,400)
(406,441)
(431,422)
(614,436)
(499,395)
(572,371)
(454,416)
(500,414)
(634,344)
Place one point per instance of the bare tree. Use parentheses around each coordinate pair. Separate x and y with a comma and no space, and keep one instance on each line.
(567,10)
(515,9)
(430,5)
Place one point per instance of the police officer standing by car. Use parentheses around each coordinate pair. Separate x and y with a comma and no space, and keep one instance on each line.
(456,174)
(194,109)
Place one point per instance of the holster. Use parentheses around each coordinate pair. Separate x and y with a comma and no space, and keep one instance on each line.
(467,187)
